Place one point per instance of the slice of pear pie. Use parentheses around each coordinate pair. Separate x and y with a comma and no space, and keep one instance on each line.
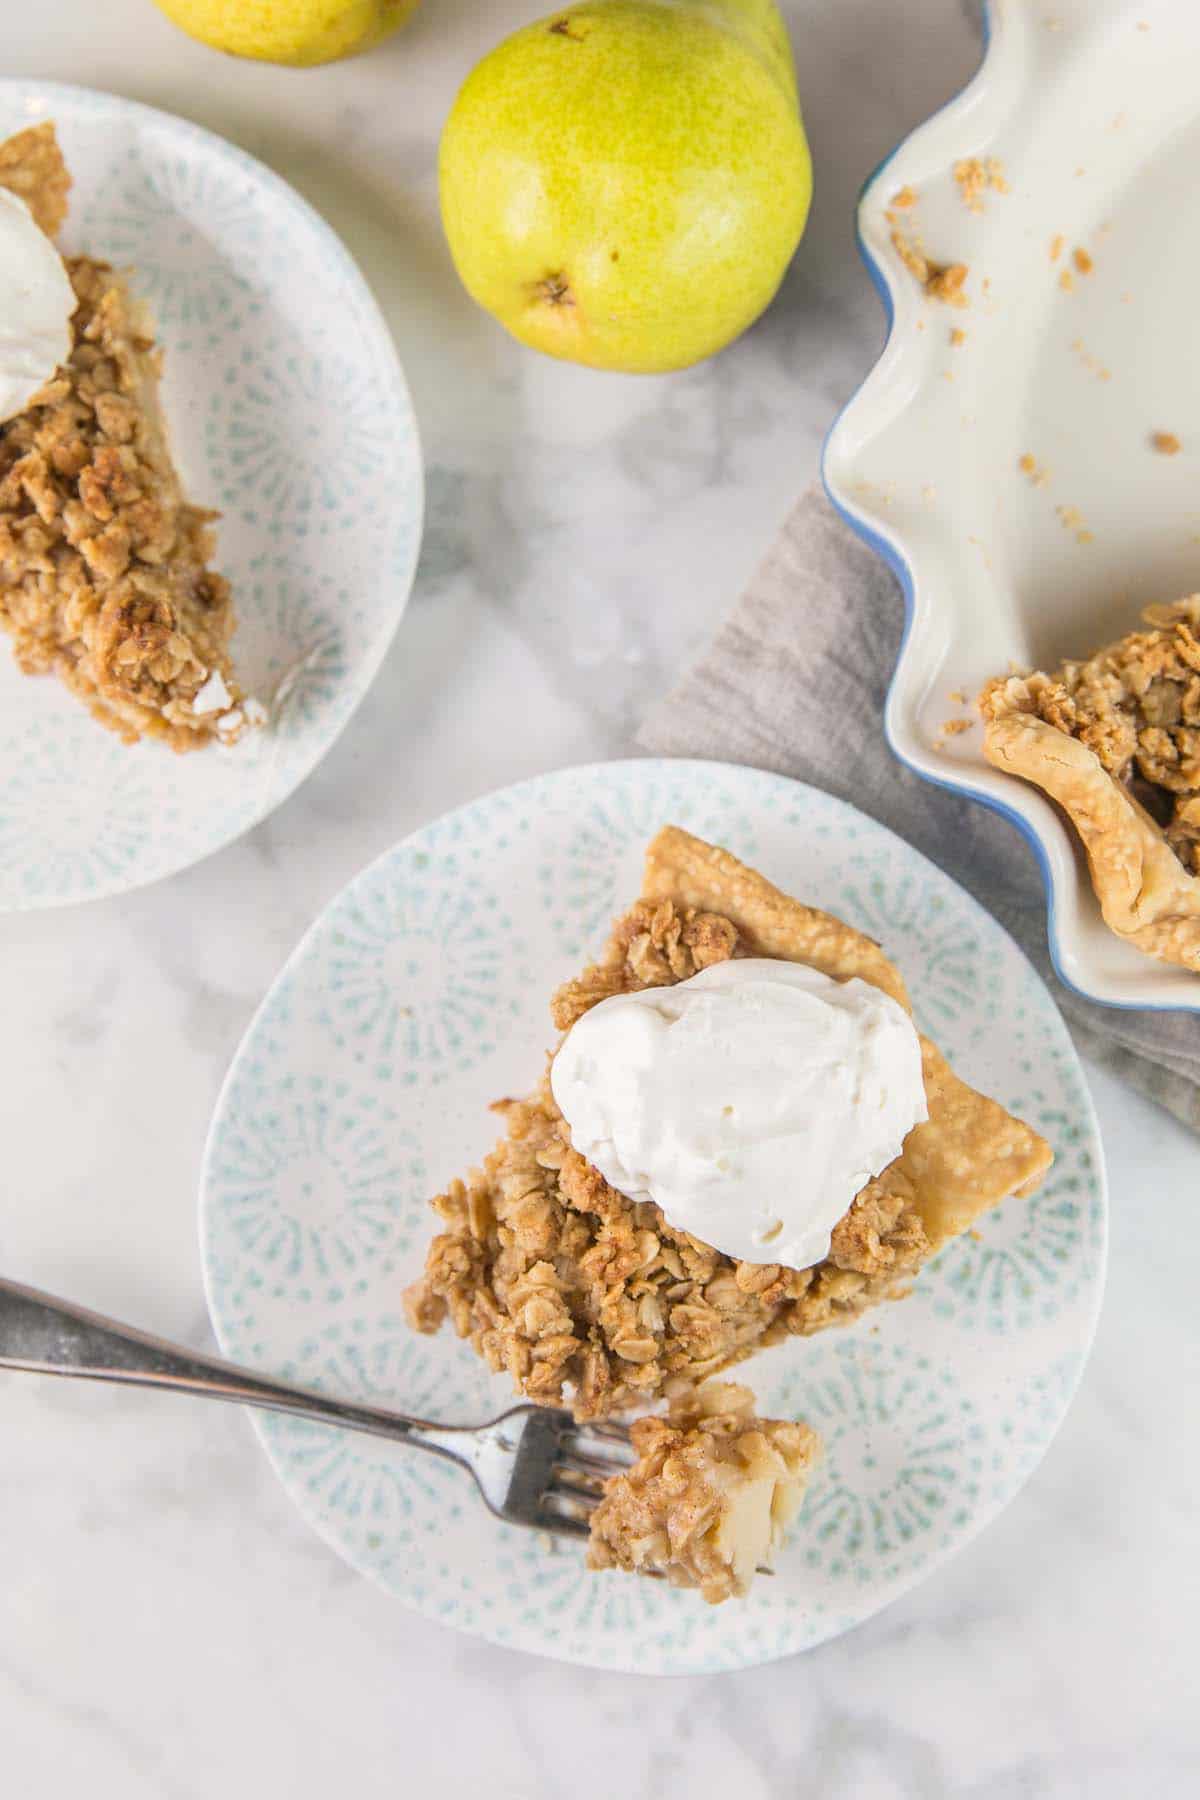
(104,576)
(575,1286)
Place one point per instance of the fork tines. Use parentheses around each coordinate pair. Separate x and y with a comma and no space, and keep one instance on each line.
(587,1455)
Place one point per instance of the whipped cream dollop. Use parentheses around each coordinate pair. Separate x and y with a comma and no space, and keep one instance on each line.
(751,1102)
(36,303)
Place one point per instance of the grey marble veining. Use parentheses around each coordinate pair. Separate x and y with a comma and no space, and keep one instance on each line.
(169,1629)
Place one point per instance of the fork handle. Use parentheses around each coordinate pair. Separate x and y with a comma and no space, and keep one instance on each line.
(47,1336)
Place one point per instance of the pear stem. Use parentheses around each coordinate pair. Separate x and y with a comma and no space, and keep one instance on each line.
(555,290)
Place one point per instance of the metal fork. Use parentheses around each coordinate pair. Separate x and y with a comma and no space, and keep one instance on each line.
(533,1465)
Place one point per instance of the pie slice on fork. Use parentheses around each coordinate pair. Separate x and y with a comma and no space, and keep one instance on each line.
(710,1497)
(104,565)
(561,1279)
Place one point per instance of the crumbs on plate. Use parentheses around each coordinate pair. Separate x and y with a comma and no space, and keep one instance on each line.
(1165,442)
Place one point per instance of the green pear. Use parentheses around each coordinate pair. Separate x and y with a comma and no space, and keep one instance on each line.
(624,183)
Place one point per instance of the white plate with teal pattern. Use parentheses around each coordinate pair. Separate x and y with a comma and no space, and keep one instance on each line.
(362,1087)
(289,411)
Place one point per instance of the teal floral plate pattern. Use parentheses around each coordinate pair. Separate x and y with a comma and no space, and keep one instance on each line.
(362,1088)
(289,412)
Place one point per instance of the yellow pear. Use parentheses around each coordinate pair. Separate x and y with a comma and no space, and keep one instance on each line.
(298,32)
(624,183)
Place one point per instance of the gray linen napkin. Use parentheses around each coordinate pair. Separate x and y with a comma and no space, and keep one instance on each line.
(795,681)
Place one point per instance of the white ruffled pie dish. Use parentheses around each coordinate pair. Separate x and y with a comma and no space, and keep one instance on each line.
(1000,455)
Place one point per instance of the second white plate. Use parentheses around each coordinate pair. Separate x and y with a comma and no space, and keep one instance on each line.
(289,411)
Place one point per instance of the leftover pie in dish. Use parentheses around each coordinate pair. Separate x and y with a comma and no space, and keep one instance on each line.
(710,1497)
(1115,740)
(572,1286)
(104,576)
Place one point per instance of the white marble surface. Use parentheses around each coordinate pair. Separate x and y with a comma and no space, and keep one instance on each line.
(168,1629)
